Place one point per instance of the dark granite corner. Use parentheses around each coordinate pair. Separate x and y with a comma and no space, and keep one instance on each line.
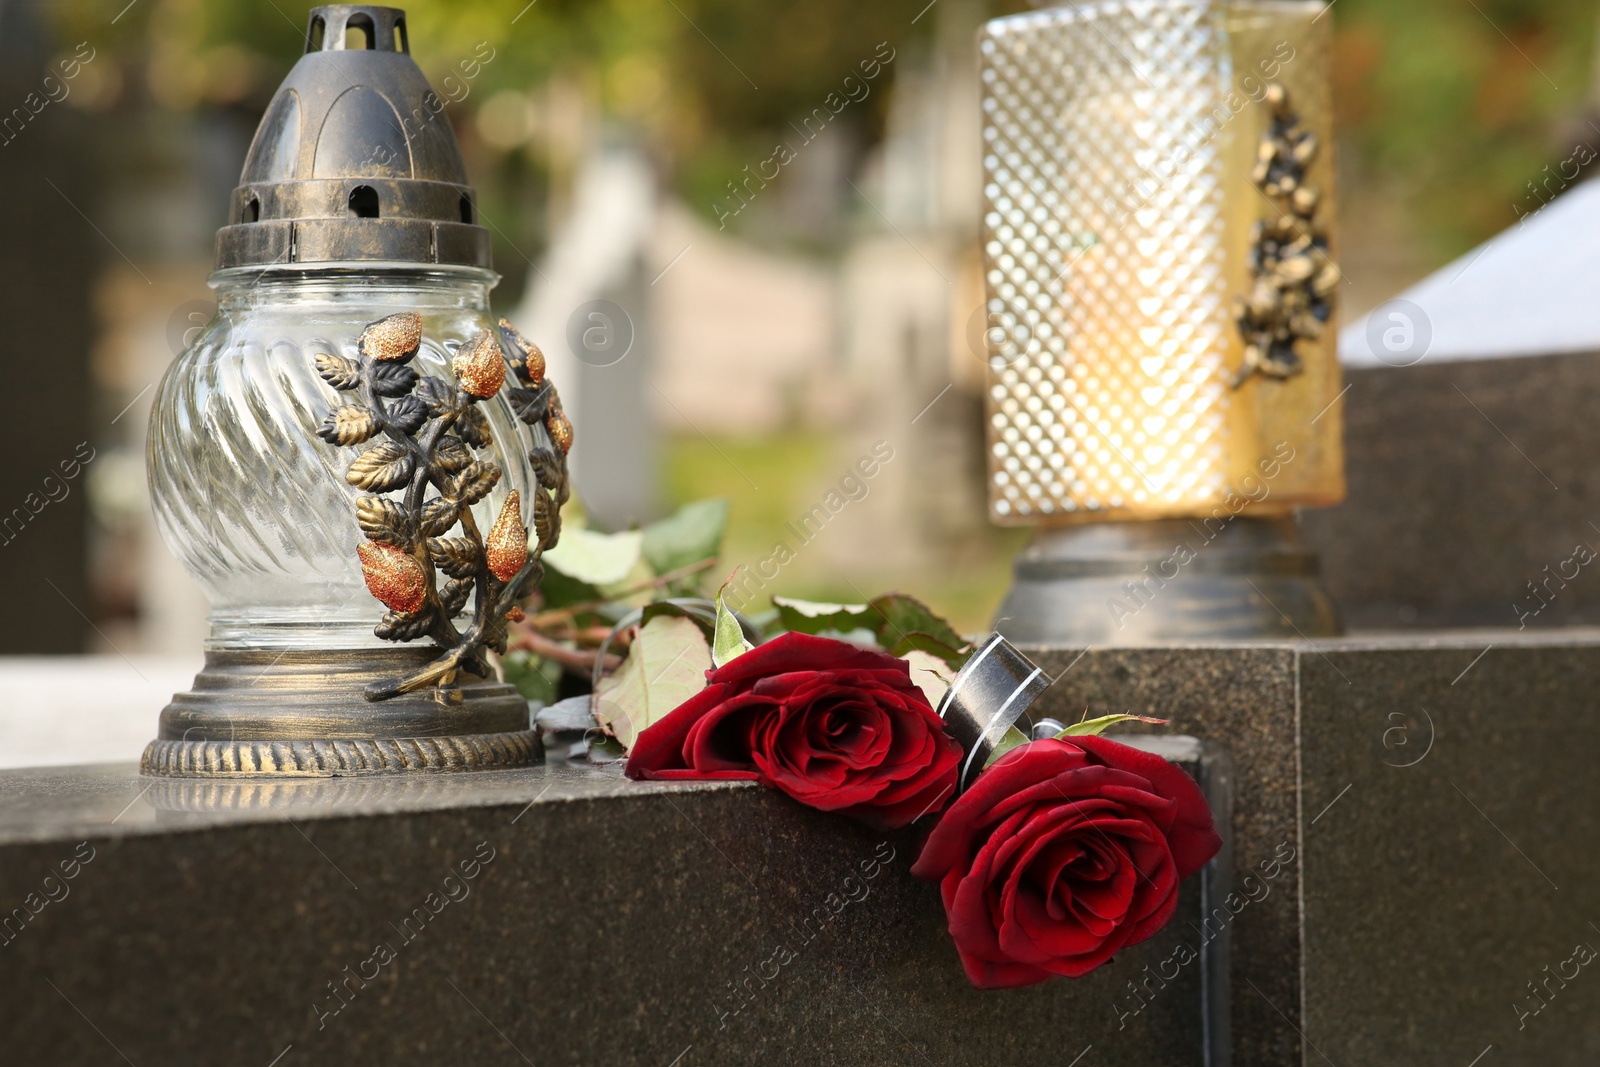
(1445,814)
(1242,697)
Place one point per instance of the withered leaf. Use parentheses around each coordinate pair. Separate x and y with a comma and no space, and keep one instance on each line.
(381,468)
(337,371)
(454,595)
(450,455)
(397,626)
(459,557)
(437,394)
(473,426)
(392,379)
(348,425)
(530,405)
(383,520)
(474,482)
(407,414)
(438,515)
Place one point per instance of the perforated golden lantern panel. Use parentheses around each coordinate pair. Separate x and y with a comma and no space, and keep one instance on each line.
(1120,219)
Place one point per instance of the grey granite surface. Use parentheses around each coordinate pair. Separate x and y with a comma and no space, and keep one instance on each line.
(1425,896)
(1466,481)
(214,924)
(1243,697)
(1460,856)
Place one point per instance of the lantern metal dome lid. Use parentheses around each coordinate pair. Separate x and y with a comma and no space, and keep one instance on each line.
(354,160)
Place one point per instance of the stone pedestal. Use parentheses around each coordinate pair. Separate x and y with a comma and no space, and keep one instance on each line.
(1414,824)
(553,915)
(1439,795)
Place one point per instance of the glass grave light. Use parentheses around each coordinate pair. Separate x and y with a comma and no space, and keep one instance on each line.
(350,455)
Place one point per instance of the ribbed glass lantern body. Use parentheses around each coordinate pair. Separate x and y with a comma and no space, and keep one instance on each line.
(247,496)
(1120,221)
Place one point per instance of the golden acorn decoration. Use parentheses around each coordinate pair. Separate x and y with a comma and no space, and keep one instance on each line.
(394,339)
(480,366)
(531,368)
(506,548)
(393,576)
(560,429)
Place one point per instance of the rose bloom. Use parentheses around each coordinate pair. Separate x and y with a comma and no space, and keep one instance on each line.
(1062,853)
(836,727)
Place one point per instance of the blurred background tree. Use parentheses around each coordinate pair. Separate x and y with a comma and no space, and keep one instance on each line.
(839,303)
(1453,106)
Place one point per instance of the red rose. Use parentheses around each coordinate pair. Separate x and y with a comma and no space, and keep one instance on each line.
(1062,853)
(836,727)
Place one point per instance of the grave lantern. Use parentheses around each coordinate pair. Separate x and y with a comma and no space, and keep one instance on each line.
(1161,285)
(356,460)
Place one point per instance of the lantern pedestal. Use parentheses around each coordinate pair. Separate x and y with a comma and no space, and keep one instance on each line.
(1166,580)
(259,713)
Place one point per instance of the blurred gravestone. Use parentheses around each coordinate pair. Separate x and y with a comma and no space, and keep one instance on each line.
(47,261)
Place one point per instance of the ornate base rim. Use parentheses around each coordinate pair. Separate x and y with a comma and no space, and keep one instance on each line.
(340,757)
(1125,584)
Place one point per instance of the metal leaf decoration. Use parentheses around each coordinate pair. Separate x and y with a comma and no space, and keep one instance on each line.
(430,427)
(381,468)
(1291,296)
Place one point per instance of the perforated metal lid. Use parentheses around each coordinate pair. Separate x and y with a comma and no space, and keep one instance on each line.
(354,160)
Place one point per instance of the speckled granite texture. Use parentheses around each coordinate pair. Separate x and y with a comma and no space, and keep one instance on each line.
(1466,480)
(214,924)
(1446,813)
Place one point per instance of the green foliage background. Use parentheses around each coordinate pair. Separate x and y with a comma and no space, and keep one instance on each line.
(1453,106)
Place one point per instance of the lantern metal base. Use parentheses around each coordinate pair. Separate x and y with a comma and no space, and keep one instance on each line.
(304,714)
(1166,581)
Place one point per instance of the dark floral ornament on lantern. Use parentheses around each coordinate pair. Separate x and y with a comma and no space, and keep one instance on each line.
(431,428)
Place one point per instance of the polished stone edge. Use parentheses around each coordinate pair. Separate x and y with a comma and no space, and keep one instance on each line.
(339,757)
(104,801)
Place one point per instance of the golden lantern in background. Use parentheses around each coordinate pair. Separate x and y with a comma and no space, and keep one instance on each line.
(1161,284)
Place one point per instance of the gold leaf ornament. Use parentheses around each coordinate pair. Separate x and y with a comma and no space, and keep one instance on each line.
(394,339)
(474,482)
(507,546)
(392,575)
(337,371)
(480,365)
(381,520)
(349,424)
(381,468)
(438,515)
(459,557)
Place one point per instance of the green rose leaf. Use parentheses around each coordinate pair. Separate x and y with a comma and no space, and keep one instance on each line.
(1093,727)
(690,535)
(666,665)
(898,623)
(815,617)
(729,643)
(1013,738)
(906,623)
(596,559)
